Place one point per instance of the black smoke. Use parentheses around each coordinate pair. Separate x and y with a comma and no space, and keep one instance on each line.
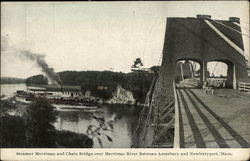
(7,49)
(39,59)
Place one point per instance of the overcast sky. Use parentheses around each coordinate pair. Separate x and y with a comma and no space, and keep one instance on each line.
(97,35)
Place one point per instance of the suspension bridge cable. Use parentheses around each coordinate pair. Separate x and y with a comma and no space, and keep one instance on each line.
(215,66)
(156,122)
(230,28)
(243,27)
(230,42)
(156,110)
(147,124)
(214,71)
(150,90)
(157,23)
(138,125)
(147,102)
(207,41)
(160,58)
(247,23)
(223,18)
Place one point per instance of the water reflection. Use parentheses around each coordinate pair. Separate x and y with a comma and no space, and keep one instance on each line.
(77,121)
(10,89)
(124,126)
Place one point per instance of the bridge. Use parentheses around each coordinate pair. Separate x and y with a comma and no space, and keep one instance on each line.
(180,113)
(205,120)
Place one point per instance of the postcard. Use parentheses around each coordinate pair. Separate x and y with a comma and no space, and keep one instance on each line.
(164,80)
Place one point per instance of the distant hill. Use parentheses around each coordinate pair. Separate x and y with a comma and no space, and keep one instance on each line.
(11,80)
(37,79)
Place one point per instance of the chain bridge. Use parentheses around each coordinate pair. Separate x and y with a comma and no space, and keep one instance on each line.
(182,114)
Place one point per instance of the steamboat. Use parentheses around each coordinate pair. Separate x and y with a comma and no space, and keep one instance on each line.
(63,98)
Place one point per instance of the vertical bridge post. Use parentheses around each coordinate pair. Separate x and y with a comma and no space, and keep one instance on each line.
(234,78)
(176,124)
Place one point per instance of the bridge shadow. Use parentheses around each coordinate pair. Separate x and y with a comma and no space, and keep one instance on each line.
(186,87)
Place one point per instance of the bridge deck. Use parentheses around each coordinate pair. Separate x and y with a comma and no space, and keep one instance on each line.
(210,121)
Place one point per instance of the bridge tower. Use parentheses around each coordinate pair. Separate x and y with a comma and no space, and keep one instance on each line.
(201,40)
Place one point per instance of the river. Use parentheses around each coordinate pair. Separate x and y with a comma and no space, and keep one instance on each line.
(78,121)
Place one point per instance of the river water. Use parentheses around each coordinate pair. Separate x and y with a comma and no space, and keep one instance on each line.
(78,121)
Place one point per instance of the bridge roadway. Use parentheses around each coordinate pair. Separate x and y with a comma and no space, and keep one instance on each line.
(213,121)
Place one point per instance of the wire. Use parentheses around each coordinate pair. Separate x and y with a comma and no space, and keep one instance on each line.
(147,125)
(138,125)
(156,122)
(215,66)
(240,25)
(160,58)
(230,42)
(207,41)
(230,28)
(152,27)
(147,100)
(244,22)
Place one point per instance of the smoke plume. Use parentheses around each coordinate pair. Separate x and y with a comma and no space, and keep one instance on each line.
(37,58)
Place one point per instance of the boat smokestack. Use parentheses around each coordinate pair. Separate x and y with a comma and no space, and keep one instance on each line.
(62,89)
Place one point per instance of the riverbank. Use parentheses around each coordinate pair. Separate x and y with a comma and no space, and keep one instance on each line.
(17,131)
(125,119)
(72,95)
(11,80)
(103,84)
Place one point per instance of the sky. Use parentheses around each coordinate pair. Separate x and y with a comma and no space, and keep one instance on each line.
(96,35)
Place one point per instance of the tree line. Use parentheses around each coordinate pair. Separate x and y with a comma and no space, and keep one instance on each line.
(10,80)
(35,129)
(136,82)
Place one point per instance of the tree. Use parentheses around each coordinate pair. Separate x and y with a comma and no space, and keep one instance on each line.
(37,79)
(40,116)
(137,82)
(12,132)
(137,63)
(69,139)
(6,106)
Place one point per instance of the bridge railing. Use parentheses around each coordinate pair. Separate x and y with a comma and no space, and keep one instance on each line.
(217,82)
(244,86)
(176,127)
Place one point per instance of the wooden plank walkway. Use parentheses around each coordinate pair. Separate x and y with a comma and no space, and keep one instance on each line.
(213,121)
